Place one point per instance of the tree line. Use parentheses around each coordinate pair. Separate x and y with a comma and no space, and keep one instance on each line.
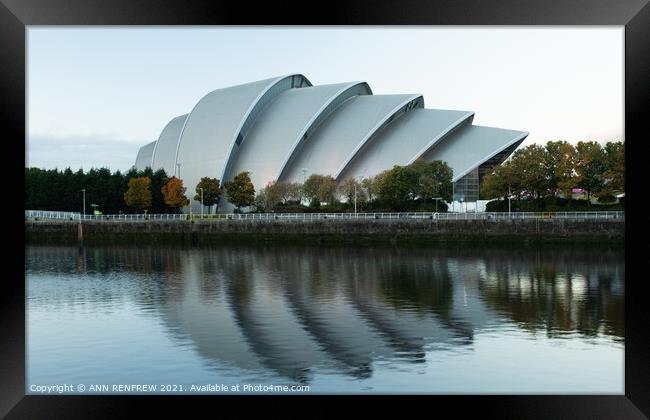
(538,172)
(534,173)
(419,186)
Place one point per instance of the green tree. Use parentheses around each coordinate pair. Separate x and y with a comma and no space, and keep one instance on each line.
(211,192)
(369,188)
(499,182)
(292,191)
(559,165)
(552,159)
(314,204)
(349,187)
(528,164)
(115,193)
(565,170)
(159,179)
(61,190)
(321,188)
(36,185)
(376,182)
(259,203)
(128,175)
(275,193)
(614,160)
(397,186)
(138,195)
(174,194)
(590,167)
(404,187)
(240,191)
(103,186)
(64,190)
(434,179)
(263,202)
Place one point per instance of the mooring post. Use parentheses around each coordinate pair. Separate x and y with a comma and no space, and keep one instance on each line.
(194,234)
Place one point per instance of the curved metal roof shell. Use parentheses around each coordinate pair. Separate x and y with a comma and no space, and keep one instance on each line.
(284,124)
(219,122)
(164,153)
(278,127)
(471,145)
(405,140)
(341,136)
(144,156)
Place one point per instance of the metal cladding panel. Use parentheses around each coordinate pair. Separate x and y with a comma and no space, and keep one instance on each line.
(406,139)
(218,123)
(471,145)
(164,155)
(283,124)
(144,156)
(343,134)
(296,81)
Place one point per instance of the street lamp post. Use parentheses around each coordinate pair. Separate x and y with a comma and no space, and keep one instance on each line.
(84,193)
(201,202)
(436,200)
(355,193)
(509,201)
(304,179)
(453,196)
(178,175)
(439,185)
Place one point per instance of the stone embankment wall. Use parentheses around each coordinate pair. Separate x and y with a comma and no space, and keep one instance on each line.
(395,230)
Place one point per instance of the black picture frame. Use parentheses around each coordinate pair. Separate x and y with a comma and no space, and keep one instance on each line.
(15,15)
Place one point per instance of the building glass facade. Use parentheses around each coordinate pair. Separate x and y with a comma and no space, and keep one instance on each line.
(467,188)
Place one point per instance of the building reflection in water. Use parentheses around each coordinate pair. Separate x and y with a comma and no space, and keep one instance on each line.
(295,310)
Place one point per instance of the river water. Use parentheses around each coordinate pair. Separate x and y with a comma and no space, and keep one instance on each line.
(336,320)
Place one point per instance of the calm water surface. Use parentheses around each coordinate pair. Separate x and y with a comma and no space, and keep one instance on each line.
(372,320)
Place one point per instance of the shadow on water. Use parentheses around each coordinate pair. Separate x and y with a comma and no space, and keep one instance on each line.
(295,310)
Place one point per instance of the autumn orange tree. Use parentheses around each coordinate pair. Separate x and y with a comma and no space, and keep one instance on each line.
(174,193)
(138,195)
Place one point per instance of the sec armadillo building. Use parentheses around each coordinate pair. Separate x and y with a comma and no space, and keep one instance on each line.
(285,129)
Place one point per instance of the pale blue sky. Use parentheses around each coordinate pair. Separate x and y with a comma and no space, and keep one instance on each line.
(96,94)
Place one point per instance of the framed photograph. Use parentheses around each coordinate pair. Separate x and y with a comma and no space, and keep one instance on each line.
(296,207)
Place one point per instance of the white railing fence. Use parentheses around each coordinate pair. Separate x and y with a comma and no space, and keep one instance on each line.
(583,215)
(60,215)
